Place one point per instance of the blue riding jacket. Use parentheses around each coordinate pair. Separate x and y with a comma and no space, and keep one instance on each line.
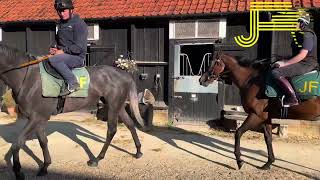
(72,36)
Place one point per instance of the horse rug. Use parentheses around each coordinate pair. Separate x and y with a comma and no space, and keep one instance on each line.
(306,86)
(52,82)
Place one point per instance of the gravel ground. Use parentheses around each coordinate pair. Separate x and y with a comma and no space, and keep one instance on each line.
(169,153)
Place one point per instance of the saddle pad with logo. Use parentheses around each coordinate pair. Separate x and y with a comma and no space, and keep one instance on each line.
(306,85)
(51,86)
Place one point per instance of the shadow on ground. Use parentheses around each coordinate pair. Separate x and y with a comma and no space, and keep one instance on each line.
(172,134)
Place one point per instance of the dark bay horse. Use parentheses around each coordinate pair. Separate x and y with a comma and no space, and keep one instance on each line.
(111,85)
(260,109)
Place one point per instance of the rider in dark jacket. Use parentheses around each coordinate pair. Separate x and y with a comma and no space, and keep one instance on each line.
(304,60)
(71,45)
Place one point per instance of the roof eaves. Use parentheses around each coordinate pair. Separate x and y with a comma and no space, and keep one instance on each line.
(27,22)
(172,16)
(169,16)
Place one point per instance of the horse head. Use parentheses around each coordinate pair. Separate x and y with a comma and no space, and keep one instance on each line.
(213,73)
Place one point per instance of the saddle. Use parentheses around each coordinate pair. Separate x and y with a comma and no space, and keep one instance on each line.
(306,86)
(52,71)
(53,82)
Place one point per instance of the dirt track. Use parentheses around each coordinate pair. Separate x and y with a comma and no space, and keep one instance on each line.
(168,153)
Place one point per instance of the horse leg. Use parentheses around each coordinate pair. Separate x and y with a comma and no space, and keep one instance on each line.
(267,131)
(15,148)
(130,125)
(43,140)
(251,122)
(112,129)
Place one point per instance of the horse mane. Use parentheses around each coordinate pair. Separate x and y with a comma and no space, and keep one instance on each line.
(244,62)
(259,66)
(13,53)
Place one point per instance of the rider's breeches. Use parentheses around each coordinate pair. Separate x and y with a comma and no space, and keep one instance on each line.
(292,70)
(64,63)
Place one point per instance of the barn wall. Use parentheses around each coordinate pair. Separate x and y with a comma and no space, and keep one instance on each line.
(239,25)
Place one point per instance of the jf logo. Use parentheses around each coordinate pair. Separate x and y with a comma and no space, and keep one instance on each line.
(285,20)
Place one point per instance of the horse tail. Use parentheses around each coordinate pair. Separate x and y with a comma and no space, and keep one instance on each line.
(134,104)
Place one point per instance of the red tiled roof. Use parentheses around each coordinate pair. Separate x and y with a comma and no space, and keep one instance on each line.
(36,10)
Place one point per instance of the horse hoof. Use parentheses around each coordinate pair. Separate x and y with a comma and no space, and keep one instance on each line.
(20,176)
(265,167)
(240,164)
(138,155)
(42,172)
(92,163)
(146,129)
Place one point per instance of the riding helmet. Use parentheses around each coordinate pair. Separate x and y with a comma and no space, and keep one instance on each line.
(63,4)
(305,18)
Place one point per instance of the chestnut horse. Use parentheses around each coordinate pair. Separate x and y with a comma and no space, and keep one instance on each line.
(260,108)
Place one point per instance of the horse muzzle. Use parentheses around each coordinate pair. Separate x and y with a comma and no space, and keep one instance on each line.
(205,84)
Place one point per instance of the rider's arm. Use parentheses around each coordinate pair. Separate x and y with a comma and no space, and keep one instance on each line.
(306,47)
(299,57)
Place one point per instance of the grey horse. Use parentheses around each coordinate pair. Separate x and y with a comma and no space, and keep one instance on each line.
(108,84)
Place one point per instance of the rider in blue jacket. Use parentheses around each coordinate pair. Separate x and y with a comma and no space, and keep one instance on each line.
(71,45)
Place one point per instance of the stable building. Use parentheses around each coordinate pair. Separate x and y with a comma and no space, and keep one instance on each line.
(173,42)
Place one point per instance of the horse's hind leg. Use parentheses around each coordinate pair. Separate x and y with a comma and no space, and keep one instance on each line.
(15,148)
(112,129)
(130,125)
(267,131)
(252,122)
(43,140)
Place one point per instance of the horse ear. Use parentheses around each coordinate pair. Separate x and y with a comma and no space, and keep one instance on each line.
(218,54)
(212,62)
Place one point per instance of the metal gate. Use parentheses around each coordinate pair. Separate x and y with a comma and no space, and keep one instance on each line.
(193,102)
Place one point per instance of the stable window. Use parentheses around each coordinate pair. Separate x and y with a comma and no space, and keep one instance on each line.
(93,32)
(209,28)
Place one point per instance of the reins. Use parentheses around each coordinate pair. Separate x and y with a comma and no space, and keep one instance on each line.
(36,61)
(27,64)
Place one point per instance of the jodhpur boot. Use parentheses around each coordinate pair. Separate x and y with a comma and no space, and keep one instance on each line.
(70,88)
(290,96)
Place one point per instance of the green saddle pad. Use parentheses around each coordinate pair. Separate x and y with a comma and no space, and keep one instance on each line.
(306,85)
(51,86)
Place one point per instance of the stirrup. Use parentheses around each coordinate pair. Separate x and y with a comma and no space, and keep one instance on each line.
(287,105)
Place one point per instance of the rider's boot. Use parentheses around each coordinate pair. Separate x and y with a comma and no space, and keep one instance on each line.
(290,96)
(70,88)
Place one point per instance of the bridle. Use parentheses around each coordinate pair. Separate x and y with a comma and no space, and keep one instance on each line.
(216,70)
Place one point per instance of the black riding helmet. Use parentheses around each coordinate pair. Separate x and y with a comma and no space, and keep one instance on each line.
(63,4)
